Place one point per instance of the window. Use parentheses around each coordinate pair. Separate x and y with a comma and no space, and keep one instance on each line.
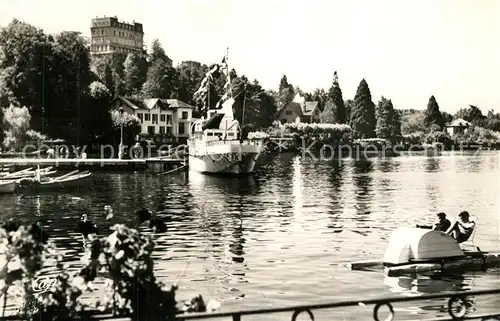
(288,112)
(151,130)
(184,115)
(140,116)
(162,118)
(169,130)
(162,130)
(155,119)
(169,119)
(147,117)
(182,128)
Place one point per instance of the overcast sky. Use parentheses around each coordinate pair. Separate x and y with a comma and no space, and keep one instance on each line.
(406,50)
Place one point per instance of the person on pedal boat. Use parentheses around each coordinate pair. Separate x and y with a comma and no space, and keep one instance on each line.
(442,225)
(462,229)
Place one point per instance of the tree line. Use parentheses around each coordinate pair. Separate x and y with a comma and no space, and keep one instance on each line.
(50,85)
(383,120)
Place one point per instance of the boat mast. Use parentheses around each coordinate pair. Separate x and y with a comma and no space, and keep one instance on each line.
(228,74)
(208,95)
(243,112)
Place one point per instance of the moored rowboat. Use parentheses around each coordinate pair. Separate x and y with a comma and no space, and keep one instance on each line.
(7,187)
(26,173)
(67,181)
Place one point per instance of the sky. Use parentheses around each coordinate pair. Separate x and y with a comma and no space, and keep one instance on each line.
(405,50)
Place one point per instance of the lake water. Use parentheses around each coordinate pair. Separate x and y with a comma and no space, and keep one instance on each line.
(281,238)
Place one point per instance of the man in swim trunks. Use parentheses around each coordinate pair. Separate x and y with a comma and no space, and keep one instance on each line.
(442,225)
(462,229)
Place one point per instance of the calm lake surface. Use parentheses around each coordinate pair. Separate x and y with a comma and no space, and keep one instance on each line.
(281,238)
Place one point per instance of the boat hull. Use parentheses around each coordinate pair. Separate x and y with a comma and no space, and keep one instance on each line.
(70,183)
(470,262)
(225,159)
(7,187)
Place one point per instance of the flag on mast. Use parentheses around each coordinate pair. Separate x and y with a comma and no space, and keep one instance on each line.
(227,86)
(204,83)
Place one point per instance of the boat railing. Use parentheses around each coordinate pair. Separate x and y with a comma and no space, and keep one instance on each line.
(232,142)
(457,307)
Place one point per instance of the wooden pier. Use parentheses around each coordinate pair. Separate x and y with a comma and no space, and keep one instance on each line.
(159,164)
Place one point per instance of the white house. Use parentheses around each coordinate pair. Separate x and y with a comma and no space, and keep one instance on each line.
(170,117)
(457,126)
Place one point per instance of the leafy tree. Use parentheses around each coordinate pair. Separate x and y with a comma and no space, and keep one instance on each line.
(286,91)
(349,106)
(71,62)
(492,121)
(160,80)
(259,106)
(433,115)
(328,114)
(362,119)
(109,69)
(335,94)
(447,118)
(135,70)
(396,125)
(98,122)
(471,114)
(412,122)
(321,96)
(158,53)
(16,122)
(131,126)
(385,117)
(190,78)
(25,53)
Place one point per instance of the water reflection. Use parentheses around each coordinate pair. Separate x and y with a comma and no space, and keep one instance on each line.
(426,284)
(274,233)
(415,285)
(297,190)
(336,179)
(388,165)
(363,194)
(432,164)
(434,196)
(243,185)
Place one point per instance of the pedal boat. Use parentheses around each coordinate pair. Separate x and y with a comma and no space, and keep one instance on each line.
(418,250)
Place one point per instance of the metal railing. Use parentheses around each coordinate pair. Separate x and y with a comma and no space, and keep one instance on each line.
(457,308)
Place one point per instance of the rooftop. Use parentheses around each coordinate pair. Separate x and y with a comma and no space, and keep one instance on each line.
(150,103)
(459,122)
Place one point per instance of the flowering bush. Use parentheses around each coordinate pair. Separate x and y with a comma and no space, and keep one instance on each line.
(438,137)
(379,142)
(257,135)
(316,129)
(476,135)
(126,255)
(131,125)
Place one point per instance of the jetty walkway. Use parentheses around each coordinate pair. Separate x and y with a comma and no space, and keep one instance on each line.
(159,164)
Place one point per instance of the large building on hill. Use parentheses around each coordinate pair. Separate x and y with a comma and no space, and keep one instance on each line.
(108,36)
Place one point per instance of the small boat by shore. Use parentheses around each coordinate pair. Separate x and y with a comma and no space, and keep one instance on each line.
(7,187)
(417,250)
(70,180)
(27,173)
